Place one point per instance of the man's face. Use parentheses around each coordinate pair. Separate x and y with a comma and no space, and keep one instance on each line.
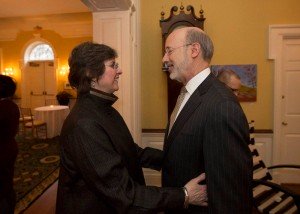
(235,84)
(176,56)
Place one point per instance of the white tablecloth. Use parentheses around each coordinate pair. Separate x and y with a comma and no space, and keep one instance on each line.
(54,116)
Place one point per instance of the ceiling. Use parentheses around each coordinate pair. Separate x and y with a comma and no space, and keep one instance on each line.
(21,8)
(69,18)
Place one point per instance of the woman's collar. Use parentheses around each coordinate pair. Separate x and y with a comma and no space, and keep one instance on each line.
(103,95)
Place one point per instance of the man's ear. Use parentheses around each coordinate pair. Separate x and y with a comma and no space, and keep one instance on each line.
(196,50)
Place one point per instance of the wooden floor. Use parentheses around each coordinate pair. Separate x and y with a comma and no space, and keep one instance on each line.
(45,203)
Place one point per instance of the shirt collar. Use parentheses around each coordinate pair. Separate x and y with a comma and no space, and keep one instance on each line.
(193,84)
(110,97)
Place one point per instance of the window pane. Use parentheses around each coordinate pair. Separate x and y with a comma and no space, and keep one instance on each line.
(41,52)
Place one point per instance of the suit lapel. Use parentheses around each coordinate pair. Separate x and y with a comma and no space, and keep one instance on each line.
(191,105)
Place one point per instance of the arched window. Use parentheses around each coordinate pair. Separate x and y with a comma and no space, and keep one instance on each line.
(41,52)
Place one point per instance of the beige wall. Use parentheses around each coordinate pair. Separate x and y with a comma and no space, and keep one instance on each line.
(239,30)
(12,50)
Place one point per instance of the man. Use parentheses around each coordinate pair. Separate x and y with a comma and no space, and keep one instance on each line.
(210,132)
(231,79)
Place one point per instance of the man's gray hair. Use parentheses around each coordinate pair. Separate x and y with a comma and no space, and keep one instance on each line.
(207,47)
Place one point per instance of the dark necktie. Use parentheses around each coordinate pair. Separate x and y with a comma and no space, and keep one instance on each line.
(177,106)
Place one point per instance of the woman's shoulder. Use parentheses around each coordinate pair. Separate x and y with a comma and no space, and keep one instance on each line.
(8,104)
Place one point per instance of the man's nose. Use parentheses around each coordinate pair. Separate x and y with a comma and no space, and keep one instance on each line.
(165,58)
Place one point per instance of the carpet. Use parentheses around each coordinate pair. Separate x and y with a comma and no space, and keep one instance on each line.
(36,168)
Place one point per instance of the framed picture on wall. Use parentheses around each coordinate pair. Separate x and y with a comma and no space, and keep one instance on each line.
(248,76)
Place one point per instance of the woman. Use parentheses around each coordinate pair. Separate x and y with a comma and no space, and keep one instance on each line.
(9,123)
(101,166)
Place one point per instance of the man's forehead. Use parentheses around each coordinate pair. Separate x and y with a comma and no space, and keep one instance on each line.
(174,38)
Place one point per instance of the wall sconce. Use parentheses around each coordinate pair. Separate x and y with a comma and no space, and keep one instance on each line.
(63,71)
(8,72)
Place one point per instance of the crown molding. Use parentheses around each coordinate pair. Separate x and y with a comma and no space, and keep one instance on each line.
(107,5)
(66,25)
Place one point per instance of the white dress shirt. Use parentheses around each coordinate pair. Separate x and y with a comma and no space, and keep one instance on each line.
(192,85)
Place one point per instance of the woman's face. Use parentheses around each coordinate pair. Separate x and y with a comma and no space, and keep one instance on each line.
(108,82)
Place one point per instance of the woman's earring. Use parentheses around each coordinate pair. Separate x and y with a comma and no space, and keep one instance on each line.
(93,84)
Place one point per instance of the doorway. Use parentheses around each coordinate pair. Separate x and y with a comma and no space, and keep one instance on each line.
(39,81)
(285,50)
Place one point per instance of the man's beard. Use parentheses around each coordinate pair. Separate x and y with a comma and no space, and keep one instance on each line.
(179,69)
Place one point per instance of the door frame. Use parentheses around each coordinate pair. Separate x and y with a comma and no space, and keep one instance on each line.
(277,34)
(24,60)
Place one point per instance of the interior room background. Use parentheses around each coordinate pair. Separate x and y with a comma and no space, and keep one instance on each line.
(239,30)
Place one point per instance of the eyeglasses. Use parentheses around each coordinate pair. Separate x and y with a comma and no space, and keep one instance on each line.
(113,65)
(235,91)
(170,50)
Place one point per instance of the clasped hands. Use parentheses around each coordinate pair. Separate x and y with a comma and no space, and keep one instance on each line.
(197,193)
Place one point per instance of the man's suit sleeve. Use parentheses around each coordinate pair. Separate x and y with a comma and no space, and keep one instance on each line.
(104,172)
(228,162)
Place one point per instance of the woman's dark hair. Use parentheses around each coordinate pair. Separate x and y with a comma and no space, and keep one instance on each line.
(8,86)
(86,62)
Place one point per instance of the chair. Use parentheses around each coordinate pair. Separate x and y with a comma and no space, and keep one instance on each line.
(22,121)
(268,196)
(28,122)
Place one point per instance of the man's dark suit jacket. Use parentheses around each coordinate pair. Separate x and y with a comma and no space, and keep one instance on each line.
(211,135)
(101,166)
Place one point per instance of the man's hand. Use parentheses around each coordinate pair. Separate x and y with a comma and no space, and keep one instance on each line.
(197,193)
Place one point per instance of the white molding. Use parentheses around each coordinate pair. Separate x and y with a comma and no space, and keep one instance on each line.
(107,5)
(136,60)
(118,30)
(263,144)
(156,140)
(277,33)
(66,25)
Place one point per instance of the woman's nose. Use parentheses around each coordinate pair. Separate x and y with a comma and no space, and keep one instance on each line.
(119,71)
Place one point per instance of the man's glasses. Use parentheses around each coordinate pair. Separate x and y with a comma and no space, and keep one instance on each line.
(170,50)
(113,65)
(235,91)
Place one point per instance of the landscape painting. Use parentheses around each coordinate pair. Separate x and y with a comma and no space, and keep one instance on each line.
(248,75)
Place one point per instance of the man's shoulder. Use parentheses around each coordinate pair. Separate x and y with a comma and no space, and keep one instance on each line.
(222,93)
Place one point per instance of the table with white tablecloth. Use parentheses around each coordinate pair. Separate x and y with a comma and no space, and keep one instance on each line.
(54,116)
